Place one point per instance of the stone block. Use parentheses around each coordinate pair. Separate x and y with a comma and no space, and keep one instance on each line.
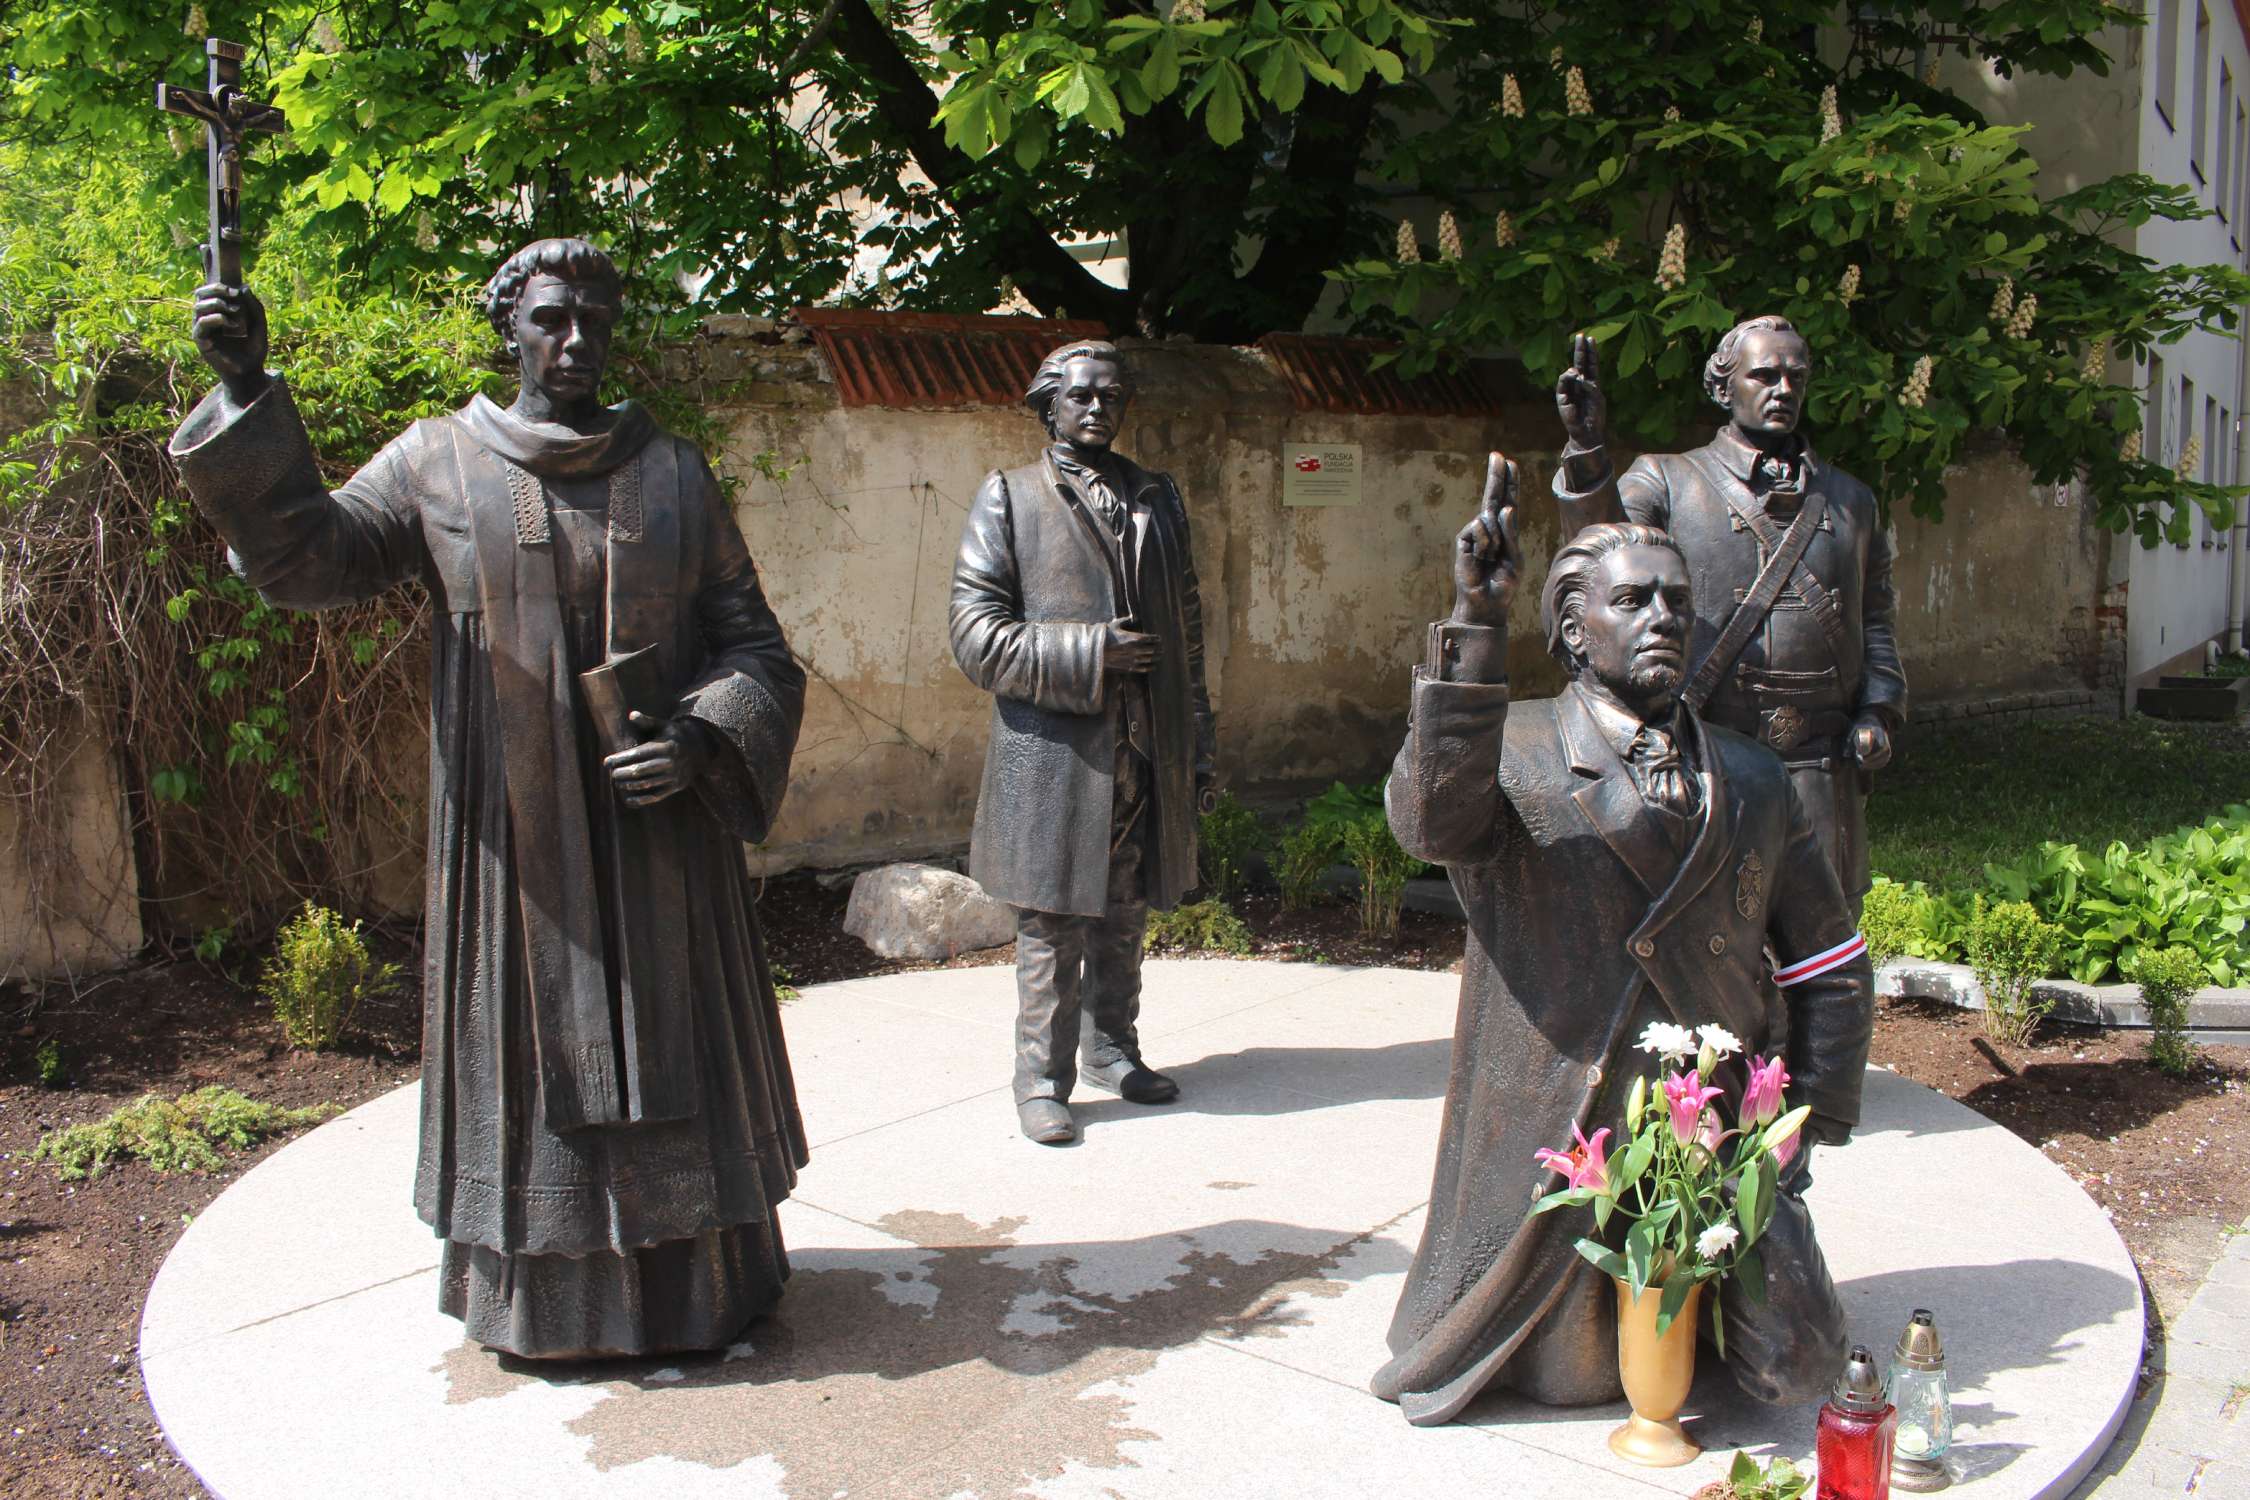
(921,911)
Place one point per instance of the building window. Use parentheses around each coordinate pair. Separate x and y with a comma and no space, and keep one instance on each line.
(2211,461)
(2158,435)
(2225,122)
(2165,59)
(2188,415)
(2199,95)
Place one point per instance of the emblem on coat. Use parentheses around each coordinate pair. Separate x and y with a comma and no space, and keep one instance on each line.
(1748,881)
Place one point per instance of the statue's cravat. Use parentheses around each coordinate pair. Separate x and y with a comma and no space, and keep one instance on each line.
(1656,763)
(1107,502)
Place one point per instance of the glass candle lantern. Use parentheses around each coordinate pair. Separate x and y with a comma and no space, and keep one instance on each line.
(1918,1388)
(1853,1446)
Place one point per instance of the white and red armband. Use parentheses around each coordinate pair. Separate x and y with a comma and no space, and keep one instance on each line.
(1820,963)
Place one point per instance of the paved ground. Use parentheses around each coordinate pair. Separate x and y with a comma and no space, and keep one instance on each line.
(1188,1303)
(2188,1436)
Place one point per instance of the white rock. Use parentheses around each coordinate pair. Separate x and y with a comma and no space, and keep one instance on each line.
(921,911)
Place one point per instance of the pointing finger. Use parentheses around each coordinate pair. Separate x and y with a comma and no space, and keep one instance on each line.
(1496,468)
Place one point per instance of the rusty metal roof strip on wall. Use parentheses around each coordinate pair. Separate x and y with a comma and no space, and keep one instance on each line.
(934,359)
(1337,374)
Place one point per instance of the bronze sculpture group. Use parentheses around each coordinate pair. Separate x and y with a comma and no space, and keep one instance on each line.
(609,1121)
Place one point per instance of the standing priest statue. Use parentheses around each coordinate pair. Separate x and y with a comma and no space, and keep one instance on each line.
(1075,605)
(1791,642)
(608,1120)
(1620,863)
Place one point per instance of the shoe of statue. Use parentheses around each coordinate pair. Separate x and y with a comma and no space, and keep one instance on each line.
(1132,1080)
(1046,1121)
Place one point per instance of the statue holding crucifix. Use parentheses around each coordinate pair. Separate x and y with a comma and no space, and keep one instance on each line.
(609,1123)
(227,115)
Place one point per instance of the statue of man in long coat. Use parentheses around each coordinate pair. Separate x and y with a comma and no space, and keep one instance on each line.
(1075,605)
(1620,863)
(1792,642)
(608,1118)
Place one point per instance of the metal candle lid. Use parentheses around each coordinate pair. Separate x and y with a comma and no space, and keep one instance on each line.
(1918,1346)
(1859,1389)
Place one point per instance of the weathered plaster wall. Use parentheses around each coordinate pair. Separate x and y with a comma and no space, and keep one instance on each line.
(69,899)
(1312,616)
(2001,596)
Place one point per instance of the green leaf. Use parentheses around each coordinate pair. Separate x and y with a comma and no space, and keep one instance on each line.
(1675,1297)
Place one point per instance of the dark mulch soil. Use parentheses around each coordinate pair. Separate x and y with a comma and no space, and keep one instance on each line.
(2170,1160)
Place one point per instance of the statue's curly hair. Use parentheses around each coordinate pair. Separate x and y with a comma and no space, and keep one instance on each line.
(1727,358)
(570,259)
(1572,574)
(1046,382)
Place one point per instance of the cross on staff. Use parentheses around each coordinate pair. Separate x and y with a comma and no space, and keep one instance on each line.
(227,115)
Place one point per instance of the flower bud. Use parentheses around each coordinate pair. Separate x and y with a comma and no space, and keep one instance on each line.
(1503,230)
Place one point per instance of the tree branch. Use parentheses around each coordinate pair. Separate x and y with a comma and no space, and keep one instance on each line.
(1045,272)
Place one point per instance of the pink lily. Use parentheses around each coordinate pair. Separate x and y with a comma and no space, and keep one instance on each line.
(1785,1151)
(1761,1097)
(1586,1166)
(1687,1096)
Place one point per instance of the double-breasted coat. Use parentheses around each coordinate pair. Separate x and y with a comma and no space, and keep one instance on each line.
(1824,656)
(1033,590)
(1586,922)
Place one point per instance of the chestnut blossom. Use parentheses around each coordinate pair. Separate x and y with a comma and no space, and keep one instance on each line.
(1409,248)
(1831,118)
(2097,362)
(2027,312)
(1511,97)
(1575,98)
(1916,391)
(2129,451)
(1847,288)
(1671,264)
(2191,458)
(2003,301)
(1503,230)
(1448,236)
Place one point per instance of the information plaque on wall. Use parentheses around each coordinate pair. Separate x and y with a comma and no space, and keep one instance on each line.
(1320,473)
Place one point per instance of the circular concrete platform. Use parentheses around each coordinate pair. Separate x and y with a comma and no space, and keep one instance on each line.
(1186,1304)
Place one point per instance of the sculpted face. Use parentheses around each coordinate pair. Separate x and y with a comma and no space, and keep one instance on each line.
(562,333)
(1766,392)
(1632,630)
(1091,404)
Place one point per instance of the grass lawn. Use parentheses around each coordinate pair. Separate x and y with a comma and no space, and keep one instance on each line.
(1962,797)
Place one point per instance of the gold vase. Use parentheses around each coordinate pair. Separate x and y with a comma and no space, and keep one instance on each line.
(1657,1373)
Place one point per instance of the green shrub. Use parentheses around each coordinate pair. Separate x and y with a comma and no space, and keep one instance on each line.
(2011,950)
(1302,857)
(51,1064)
(2187,889)
(1384,868)
(1355,818)
(1909,920)
(1228,838)
(2168,977)
(1209,925)
(320,972)
(171,1135)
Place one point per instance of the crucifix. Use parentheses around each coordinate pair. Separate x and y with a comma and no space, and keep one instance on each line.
(227,115)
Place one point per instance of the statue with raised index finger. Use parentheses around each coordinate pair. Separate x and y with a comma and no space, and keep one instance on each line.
(1792,642)
(608,1120)
(1619,863)
(1075,604)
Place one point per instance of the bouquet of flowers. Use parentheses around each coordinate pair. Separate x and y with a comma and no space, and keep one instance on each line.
(1694,1193)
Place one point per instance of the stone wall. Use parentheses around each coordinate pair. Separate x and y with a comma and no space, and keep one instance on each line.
(1314,616)
(69,896)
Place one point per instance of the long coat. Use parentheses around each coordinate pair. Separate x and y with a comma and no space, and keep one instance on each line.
(1826,652)
(1033,590)
(604,1063)
(1584,923)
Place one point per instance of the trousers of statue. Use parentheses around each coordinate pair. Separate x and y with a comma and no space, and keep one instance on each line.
(1072,969)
